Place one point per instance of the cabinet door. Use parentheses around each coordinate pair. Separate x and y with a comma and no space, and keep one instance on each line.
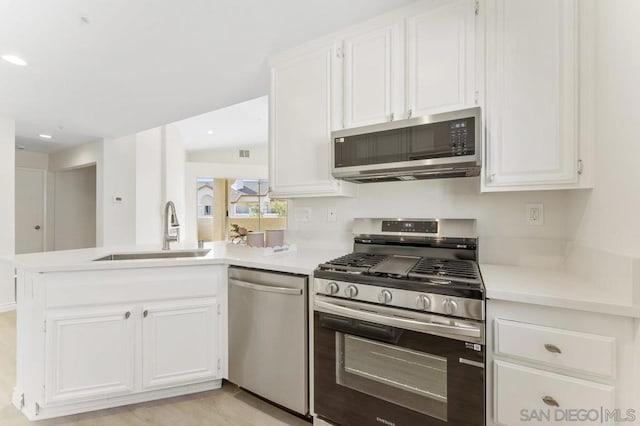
(441,58)
(524,396)
(89,353)
(373,76)
(531,94)
(180,343)
(300,111)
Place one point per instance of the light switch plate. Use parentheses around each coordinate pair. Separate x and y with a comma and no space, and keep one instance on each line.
(332,215)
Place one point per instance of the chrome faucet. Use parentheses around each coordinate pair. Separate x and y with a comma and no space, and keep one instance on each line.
(170,209)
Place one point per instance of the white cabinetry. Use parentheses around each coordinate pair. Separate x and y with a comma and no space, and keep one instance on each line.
(441,46)
(105,338)
(373,76)
(531,109)
(180,342)
(550,360)
(90,353)
(300,112)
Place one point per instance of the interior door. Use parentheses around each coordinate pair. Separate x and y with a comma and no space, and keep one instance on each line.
(29,210)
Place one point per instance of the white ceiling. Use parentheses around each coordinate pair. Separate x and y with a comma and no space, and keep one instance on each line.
(139,64)
(241,125)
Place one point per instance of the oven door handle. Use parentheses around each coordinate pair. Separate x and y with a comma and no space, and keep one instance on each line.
(399,322)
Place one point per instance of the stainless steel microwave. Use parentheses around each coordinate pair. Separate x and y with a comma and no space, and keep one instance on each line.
(441,145)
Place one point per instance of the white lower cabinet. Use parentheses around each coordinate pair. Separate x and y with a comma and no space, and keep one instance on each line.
(95,339)
(89,353)
(180,343)
(550,365)
(523,395)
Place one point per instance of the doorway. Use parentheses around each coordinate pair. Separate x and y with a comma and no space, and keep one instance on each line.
(75,208)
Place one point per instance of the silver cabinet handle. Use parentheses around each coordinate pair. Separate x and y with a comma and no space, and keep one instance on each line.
(393,321)
(145,313)
(550,401)
(492,177)
(391,117)
(552,348)
(265,288)
(410,113)
(127,315)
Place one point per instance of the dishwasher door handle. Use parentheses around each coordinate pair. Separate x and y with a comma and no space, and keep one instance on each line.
(266,288)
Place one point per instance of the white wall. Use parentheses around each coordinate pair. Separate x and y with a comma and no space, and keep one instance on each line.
(75,206)
(7,207)
(257,155)
(77,156)
(118,180)
(216,171)
(175,158)
(149,198)
(32,160)
(607,217)
(504,235)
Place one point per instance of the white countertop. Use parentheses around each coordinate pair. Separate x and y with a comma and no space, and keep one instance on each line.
(300,261)
(556,288)
(538,286)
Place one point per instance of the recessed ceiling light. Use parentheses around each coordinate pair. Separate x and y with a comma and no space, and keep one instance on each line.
(210,132)
(15,60)
(43,136)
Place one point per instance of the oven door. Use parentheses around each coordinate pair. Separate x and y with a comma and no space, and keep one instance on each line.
(377,365)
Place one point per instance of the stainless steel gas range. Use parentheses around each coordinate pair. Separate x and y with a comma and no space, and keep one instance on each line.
(399,326)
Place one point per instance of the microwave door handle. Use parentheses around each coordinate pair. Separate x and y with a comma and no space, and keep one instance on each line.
(411,324)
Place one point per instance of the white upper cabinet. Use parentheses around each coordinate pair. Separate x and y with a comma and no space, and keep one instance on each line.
(532,95)
(373,76)
(441,58)
(302,93)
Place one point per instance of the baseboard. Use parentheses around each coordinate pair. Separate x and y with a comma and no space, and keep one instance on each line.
(34,412)
(6,307)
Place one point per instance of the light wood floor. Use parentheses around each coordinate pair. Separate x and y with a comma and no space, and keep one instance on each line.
(226,406)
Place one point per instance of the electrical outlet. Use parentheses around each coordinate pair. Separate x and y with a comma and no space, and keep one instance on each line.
(331,214)
(303,214)
(535,214)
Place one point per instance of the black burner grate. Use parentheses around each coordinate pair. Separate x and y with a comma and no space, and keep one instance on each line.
(354,262)
(449,268)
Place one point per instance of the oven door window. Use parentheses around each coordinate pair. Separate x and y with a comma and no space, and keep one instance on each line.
(409,378)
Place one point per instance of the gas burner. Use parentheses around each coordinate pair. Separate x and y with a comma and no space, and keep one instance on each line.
(354,262)
(429,267)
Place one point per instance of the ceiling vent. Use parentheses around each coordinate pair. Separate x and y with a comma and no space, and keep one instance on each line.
(244,153)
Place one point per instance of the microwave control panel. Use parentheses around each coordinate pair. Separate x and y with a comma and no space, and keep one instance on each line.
(461,137)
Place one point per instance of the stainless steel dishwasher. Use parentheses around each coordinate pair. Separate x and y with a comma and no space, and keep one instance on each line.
(268,335)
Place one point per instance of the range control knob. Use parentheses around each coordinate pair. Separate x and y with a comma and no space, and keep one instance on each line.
(385,296)
(351,291)
(423,302)
(450,306)
(332,288)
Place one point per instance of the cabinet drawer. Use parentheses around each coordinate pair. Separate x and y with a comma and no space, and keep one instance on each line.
(520,394)
(581,352)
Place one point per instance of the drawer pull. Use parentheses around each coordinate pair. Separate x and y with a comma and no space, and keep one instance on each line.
(550,401)
(552,348)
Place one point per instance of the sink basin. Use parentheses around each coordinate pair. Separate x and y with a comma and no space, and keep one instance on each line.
(177,254)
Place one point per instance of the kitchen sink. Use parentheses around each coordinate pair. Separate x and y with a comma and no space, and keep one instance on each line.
(174,254)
